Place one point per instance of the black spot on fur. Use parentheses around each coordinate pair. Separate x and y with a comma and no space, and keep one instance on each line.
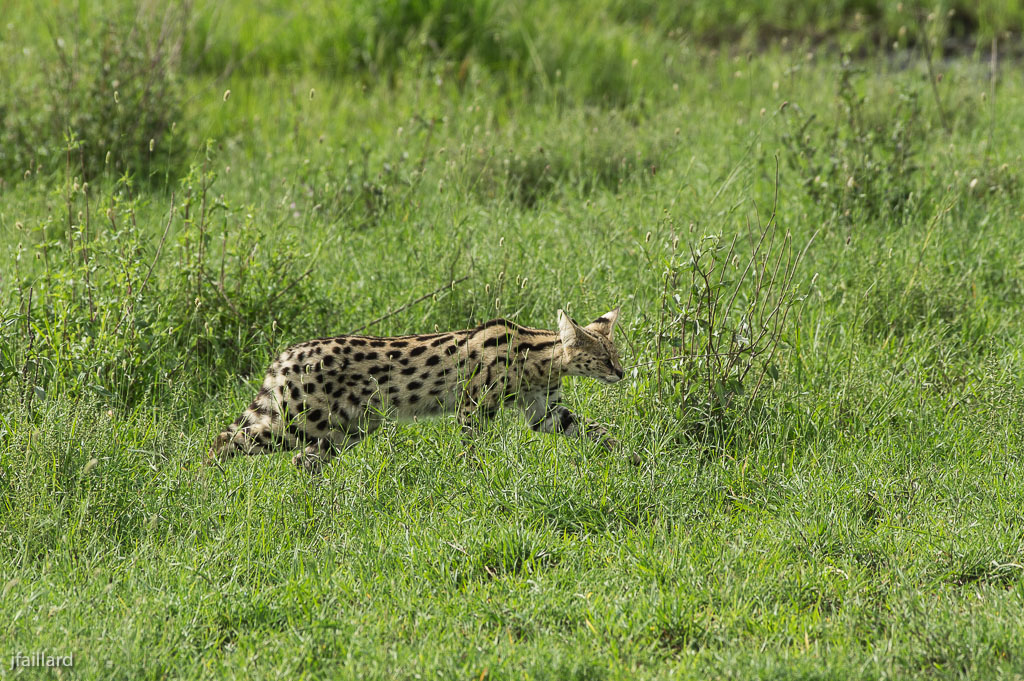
(393,355)
(328,361)
(535,347)
(375,369)
(433,360)
(451,350)
(408,371)
(358,357)
(324,426)
(296,393)
(339,392)
(399,344)
(336,349)
(314,415)
(418,350)
(356,342)
(440,340)
(371,356)
(384,378)
(497,340)
(415,385)
(377,344)
(295,432)
(414,398)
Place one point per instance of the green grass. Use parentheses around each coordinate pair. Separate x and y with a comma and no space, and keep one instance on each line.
(861,518)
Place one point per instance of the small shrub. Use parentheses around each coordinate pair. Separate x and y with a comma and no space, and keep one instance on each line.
(123,313)
(108,99)
(862,166)
(584,155)
(452,29)
(724,308)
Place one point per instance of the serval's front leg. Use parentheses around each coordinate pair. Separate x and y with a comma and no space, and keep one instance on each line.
(546,414)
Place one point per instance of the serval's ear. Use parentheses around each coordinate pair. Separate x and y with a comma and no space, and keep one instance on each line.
(567,329)
(605,324)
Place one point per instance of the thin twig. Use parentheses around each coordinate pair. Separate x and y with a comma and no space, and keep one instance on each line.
(410,304)
(156,257)
(931,72)
(295,282)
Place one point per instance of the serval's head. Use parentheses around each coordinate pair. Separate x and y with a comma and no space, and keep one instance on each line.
(589,350)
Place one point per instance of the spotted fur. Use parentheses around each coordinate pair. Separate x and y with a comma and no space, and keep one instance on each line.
(328,394)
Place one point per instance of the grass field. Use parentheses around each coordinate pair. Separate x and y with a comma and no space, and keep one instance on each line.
(181,198)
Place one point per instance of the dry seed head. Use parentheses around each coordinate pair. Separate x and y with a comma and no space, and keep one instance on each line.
(312,93)
(647,238)
(227,93)
(10,585)
(106,160)
(117,97)
(89,466)
(152,143)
